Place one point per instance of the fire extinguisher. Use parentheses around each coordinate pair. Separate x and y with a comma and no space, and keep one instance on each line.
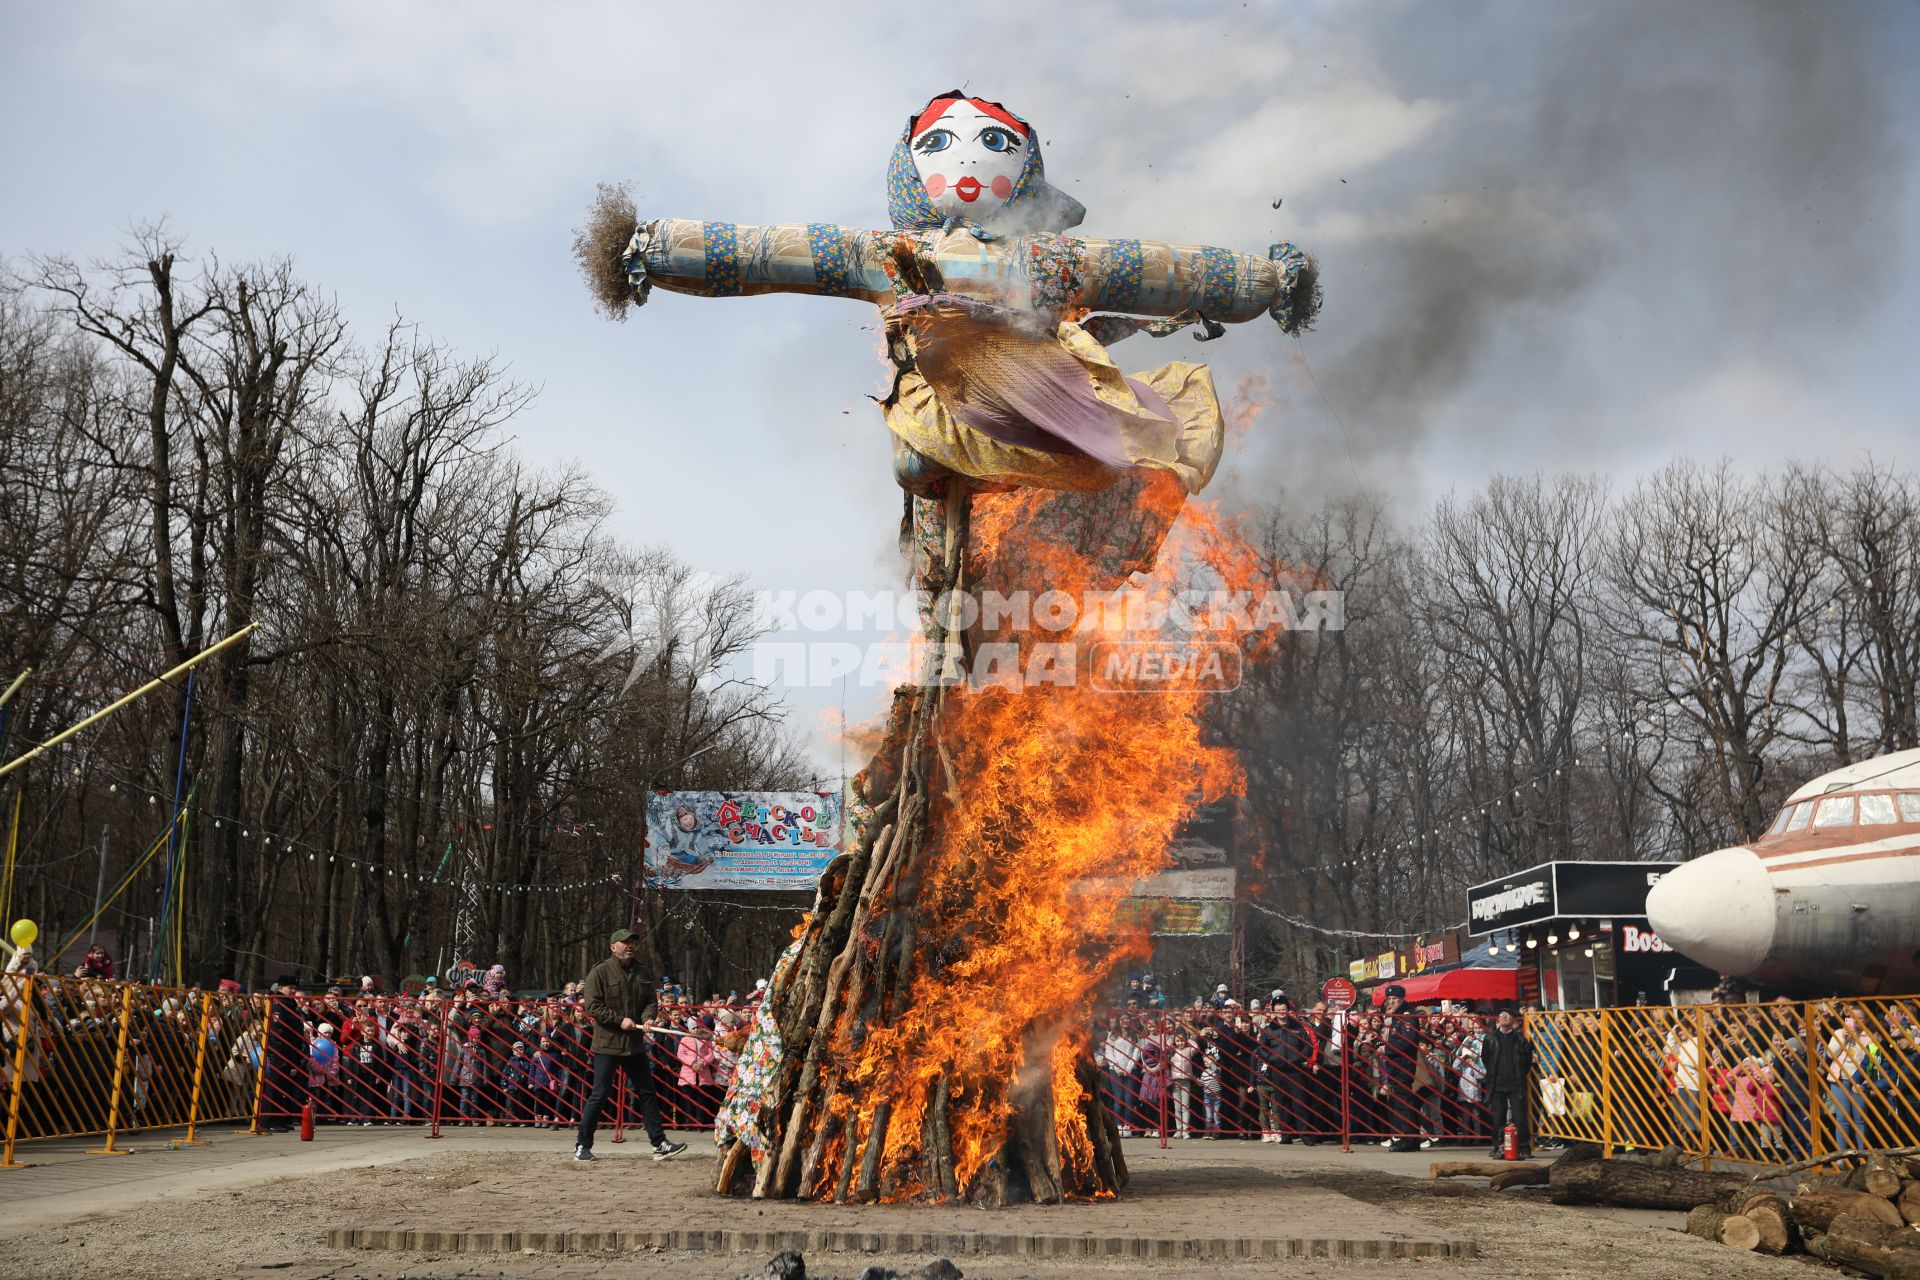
(306,1123)
(1510,1146)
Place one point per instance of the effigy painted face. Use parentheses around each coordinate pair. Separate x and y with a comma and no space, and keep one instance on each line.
(969,154)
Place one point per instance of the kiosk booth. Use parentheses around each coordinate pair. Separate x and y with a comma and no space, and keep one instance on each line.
(1579,932)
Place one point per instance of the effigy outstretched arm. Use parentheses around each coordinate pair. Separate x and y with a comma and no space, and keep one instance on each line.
(1047,272)
(728,260)
(1150,278)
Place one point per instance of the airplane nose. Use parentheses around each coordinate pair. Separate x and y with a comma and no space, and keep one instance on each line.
(1717,911)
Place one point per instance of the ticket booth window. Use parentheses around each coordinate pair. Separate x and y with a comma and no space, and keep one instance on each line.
(1585,981)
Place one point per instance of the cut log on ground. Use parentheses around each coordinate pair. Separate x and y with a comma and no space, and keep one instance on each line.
(1822,1182)
(1730,1229)
(1814,1210)
(1893,1253)
(1638,1186)
(1523,1175)
(1909,1202)
(1476,1168)
(1876,1177)
(1768,1212)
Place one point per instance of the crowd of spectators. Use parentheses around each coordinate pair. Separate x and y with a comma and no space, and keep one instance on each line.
(465,1050)
(468,1050)
(1281,1072)
(476,1054)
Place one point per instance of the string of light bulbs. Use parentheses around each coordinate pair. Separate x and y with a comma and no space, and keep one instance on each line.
(1298,923)
(1465,813)
(116,783)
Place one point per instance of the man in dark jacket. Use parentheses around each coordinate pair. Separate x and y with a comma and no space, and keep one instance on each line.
(1289,1056)
(1506,1058)
(283,1092)
(1403,1041)
(615,998)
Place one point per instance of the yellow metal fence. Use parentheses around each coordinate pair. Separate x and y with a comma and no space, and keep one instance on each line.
(80,1056)
(1758,1083)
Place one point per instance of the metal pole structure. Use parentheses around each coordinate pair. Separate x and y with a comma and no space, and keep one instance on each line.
(173,830)
(439,1071)
(199,1071)
(1606,1083)
(1346,1079)
(263,1019)
(1165,1069)
(1813,1081)
(99,888)
(119,1076)
(141,692)
(1703,1086)
(14,687)
(19,1067)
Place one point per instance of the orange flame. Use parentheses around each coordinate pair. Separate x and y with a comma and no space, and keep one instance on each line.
(1051,803)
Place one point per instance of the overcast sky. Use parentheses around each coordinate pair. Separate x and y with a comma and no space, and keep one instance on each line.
(1585,236)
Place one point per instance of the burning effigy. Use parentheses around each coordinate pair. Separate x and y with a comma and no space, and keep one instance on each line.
(927,1033)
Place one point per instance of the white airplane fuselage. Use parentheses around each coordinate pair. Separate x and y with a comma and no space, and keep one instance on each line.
(1827,899)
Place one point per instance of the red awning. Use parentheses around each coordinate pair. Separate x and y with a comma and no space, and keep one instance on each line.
(1455,984)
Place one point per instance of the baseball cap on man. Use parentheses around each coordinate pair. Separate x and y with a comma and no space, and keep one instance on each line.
(620,935)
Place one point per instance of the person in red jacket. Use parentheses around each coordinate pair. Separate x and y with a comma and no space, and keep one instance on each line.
(96,963)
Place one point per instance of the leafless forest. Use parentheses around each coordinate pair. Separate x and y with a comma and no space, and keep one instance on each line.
(461,685)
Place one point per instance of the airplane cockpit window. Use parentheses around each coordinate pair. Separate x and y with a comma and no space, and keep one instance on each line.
(1780,823)
(1910,806)
(1876,809)
(1801,812)
(1834,811)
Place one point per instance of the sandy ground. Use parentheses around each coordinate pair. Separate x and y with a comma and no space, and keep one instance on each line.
(197,1226)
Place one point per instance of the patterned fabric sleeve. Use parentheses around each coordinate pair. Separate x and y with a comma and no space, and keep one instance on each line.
(728,260)
(1150,278)
(1048,272)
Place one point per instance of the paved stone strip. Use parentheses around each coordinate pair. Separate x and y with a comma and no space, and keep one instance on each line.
(947,1244)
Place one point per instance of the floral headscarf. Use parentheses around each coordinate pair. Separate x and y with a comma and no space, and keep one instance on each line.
(1033,206)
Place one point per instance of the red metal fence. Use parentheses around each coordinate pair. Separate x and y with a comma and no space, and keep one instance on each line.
(101,1057)
(470,1060)
(1203,1073)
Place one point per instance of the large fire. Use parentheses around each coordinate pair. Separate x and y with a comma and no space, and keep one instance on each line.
(1049,801)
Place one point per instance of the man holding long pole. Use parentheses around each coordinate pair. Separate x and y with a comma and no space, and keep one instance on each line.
(615,998)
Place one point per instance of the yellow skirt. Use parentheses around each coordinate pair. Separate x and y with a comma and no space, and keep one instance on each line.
(1187,445)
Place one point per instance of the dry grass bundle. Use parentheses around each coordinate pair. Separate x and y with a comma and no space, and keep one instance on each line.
(599,243)
(1305,298)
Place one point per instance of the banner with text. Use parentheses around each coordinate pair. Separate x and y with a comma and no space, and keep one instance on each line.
(740,839)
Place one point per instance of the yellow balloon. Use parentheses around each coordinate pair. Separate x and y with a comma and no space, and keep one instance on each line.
(24,932)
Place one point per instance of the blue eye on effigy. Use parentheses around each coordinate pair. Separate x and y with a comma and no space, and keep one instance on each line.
(938,140)
(998,140)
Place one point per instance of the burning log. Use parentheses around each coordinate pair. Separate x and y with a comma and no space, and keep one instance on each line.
(933,1037)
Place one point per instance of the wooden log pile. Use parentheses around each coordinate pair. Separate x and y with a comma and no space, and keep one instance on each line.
(872,936)
(1865,1216)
